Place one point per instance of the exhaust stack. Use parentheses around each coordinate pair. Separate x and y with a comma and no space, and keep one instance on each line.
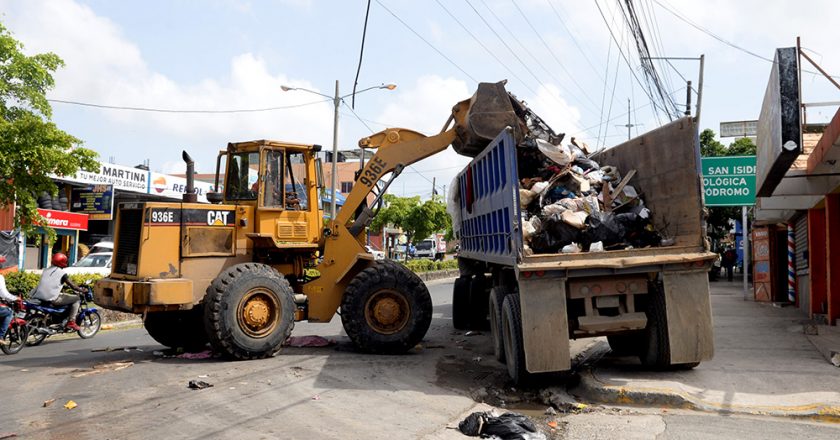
(189,195)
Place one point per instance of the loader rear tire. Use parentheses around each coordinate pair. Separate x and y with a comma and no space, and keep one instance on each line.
(249,312)
(180,329)
(386,309)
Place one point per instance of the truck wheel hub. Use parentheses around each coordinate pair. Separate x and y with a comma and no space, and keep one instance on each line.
(387,312)
(258,314)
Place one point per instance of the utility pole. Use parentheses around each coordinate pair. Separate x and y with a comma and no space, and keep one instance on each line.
(688,98)
(629,124)
(433,187)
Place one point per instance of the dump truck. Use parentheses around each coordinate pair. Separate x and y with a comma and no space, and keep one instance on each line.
(240,271)
(649,302)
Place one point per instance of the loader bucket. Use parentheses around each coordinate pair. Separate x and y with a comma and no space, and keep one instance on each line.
(489,112)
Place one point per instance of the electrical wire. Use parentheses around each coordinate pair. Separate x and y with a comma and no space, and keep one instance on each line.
(477,40)
(432,46)
(553,55)
(164,110)
(574,40)
(626,60)
(536,59)
(361,54)
(651,103)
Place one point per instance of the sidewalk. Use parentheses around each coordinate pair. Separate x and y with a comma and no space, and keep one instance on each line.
(763,364)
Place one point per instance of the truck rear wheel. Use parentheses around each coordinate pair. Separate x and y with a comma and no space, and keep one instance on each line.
(249,311)
(497,296)
(479,301)
(461,303)
(512,336)
(182,329)
(386,309)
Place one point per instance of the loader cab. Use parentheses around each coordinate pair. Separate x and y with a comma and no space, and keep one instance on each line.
(280,182)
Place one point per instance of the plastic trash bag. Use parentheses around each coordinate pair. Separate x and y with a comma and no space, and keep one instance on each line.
(596,247)
(610,173)
(539,187)
(603,227)
(586,164)
(508,426)
(576,219)
(573,248)
(526,196)
(554,209)
(453,204)
(558,154)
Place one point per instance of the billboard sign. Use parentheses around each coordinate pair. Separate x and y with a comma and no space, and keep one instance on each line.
(728,180)
(97,201)
(738,129)
(175,187)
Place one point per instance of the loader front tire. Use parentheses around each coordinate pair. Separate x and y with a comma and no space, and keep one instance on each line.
(249,311)
(386,309)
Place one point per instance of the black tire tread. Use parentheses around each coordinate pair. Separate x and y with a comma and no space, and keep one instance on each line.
(391,275)
(461,303)
(515,353)
(215,296)
(497,296)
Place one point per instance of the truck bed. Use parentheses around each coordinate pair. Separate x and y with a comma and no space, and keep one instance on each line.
(667,164)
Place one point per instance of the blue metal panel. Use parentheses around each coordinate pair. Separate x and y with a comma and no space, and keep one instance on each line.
(490,229)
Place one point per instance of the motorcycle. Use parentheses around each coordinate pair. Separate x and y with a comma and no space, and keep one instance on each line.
(18,329)
(46,320)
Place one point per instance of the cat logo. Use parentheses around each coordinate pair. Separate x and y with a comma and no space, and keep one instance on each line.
(217,218)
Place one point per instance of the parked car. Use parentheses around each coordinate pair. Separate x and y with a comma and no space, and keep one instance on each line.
(377,255)
(98,263)
(102,246)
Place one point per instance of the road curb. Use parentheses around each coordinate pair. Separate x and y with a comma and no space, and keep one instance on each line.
(594,390)
(122,324)
(438,275)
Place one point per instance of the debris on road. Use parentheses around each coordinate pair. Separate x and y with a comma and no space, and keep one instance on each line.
(101,368)
(309,341)
(48,402)
(110,349)
(207,354)
(508,426)
(316,397)
(70,404)
(472,333)
(199,385)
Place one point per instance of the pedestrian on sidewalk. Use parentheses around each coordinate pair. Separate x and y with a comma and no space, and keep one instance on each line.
(6,312)
(728,262)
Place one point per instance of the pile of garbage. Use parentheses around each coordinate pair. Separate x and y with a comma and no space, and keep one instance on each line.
(570,203)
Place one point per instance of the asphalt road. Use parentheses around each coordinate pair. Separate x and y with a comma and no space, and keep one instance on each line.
(310,393)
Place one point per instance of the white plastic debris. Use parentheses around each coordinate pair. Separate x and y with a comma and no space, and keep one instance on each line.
(598,246)
(571,248)
(539,187)
(590,204)
(558,154)
(554,209)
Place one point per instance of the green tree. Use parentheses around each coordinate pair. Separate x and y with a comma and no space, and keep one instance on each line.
(415,218)
(709,146)
(32,148)
(741,147)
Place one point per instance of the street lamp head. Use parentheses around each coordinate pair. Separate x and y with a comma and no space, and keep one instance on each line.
(286,88)
(389,86)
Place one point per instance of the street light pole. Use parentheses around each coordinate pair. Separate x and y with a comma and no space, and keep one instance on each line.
(336,103)
(336,99)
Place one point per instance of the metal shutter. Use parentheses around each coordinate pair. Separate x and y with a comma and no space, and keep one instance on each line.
(801,236)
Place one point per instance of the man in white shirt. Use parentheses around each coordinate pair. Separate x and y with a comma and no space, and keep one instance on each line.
(6,313)
(53,279)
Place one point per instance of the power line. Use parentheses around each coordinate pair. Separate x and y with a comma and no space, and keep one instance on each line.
(574,40)
(621,51)
(551,52)
(427,42)
(361,53)
(584,130)
(525,48)
(165,110)
(485,47)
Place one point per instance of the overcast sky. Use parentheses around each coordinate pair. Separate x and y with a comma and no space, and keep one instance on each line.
(557,55)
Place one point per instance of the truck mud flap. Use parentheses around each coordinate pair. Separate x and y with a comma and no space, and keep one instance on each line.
(545,326)
(689,314)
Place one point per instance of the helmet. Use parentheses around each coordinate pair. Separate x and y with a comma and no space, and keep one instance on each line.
(59,260)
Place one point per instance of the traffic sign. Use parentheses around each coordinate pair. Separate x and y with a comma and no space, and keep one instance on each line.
(729,180)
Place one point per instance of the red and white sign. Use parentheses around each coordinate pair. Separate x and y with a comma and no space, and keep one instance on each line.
(65,220)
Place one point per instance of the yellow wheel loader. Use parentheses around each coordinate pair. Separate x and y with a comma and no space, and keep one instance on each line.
(239,272)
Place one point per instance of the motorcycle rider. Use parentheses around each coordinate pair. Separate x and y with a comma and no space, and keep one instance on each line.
(49,289)
(5,312)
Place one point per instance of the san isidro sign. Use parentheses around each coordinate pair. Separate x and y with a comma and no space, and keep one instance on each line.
(729,180)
